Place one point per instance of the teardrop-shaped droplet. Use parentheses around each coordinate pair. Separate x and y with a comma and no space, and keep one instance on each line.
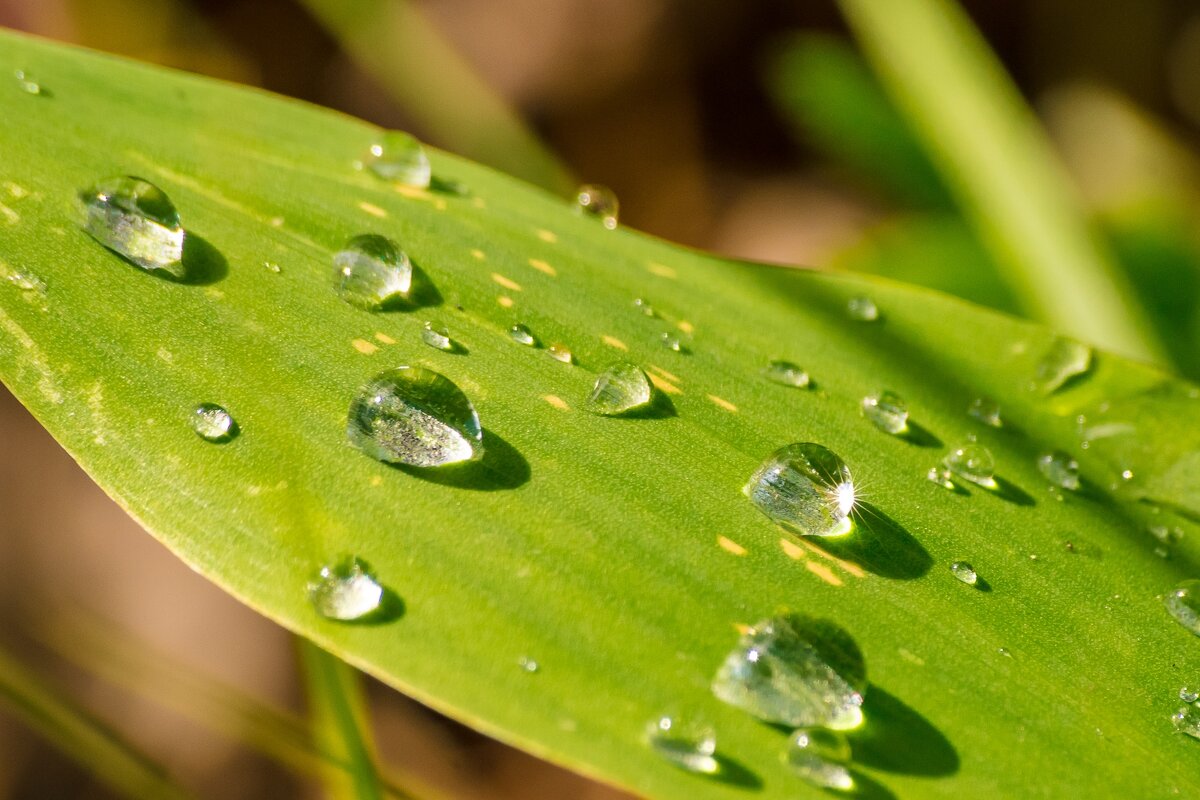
(964,572)
(986,410)
(1065,359)
(136,219)
(685,742)
(1183,604)
(26,82)
(887,411)
(599,202)
(213,423)
(972,462)
(862,309)
(400,157)
(795,670)
(619,389)
(414,416)
(345,590)
(1060,469)
(437,337)
(787,374)
(670,341)
(805,488)
(522,335)
(372,272)
(1187,720)
(560,352)
(820,757)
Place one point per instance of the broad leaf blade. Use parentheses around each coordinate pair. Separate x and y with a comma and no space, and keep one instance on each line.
(619,554)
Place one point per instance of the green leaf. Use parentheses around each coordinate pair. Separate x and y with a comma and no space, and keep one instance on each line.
(619,554)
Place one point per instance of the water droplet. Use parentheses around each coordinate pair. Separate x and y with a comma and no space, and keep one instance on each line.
(986,410)
(345,590)
(971,462)
(560,352)
(805,488)
(619,389)
(795,670)
(887,411)
(787,374)
(964,572)
(1183,604)
(372,272)
(26,83)
(600,202)
(414,416)
(437,337)
(528,664)
(522,335)
(135,219)
(1187,720)
(27,281)
(670,341)
(820,757)
(687,743)
(399,157)
(1065,359)
(1188,695)
(213,423)
(644,306)
(1060,469)
(271,266)
(862,309)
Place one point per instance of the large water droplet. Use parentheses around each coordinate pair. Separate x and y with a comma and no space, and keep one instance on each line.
(820,756)
(888,412)
(986,410)
(213,423)
(1060,469)
(414,416)
(26,83)
(787,374)
(795,670)
(372,272)
(437,337)
(560,352)
(345,590)
(600,202)
(862,309)
(1187,720)
(964,572)
(685,742)
(972,462)
(522,335)
(399,157)
(1065,359)
(136,219)
(1183,604)
(805,488)
(619,389)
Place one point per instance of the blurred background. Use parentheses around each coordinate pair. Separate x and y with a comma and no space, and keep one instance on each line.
(754,129)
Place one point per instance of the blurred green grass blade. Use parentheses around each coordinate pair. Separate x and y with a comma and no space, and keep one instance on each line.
(438,89)
(80,737)
(619,554)
(338,713)
(995,158)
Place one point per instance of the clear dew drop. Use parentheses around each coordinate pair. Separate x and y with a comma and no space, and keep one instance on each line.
(437,337)
(820,757)
(686,742)
(27,281)
(272,267)
(522,335)
(599,202)
(1188,694)
(528,664)
(795,670)
(986,410)
(345,590)
(619,389)
(1060,469)
(1183,604)
(372,272)
(1187,720)
(964,572)
(1065,359)
(560,352)
(887,411)
(27,84)
(670,341)
(414,416)
(786,373)
(399,157)
(135,219)
(970,462)
(644,306)
(213,423)
(862,309)
(805,488)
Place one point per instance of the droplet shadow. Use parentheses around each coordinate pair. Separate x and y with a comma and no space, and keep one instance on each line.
(895,738)
(865,788)
(203,264)
(880,545)
(1007,490)
(448,186)
(502,467)
(735,773)
(660,407)
(920,436)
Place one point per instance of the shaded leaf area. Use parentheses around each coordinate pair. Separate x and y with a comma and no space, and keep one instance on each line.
(619,554)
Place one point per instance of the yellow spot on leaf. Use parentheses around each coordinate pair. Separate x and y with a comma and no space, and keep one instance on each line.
(372,209)
(557,402)
(479,202)
(376,480)
(911,657)
(364,347)
(731,546)
(547,236)
(542,266)
(165,354)
(664,384)
(507,283)
(723,403)
(412,192)
(686,326)
(823,572)
(478,254)
(742,628)
(10,216)
(853,569)
(384,338)
(661,270)
(505,301)
(792,550)
(613,341)
(668,375)
(276,222)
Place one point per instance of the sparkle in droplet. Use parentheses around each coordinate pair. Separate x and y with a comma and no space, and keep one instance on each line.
(599,202)
(964,572)
(986,410)
(135,219)
(887,411)
(437,337)
(619,389)
(522,335)
(528,664)
(644,306)
(670,341)
(271,266)
(1183,604)
(400,158)
(560,352)
(1060,469)
(787,374)
(805,488)
(685,742)
(820,757)
(1187,720)
(1188,695)
(27,281)
(862,309)
(213,423)
(372,272)
(345,590)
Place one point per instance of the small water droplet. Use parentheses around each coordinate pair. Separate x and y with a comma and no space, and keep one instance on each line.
(795,670)
(414,416)
(372,272)
(887,411)
(644,306)
(437,337)
(1183,604)
(1004,652)
(345,590)
(400,157)
(528,664)
(560,352)
(971,462)
(805,488)
(1065,359)
(27,281)
(619,389)
(670,341)
(820,757)
(787,374)
(522,335)
(26,83)
(986,410)
(686,742)
(135,219)
(599,202)
(862,309)
(271,266)
(213,423)
(964,572)
(1188,695)
(1060,469)
(1187,720)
